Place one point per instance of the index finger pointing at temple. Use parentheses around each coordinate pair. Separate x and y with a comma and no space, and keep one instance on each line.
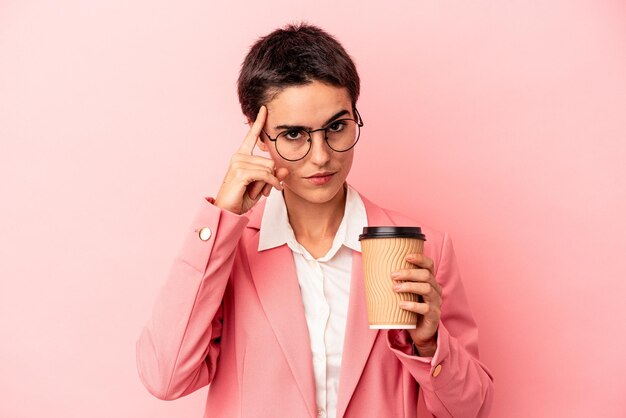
(253,134)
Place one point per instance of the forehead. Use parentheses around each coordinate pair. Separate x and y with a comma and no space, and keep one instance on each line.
(309,105)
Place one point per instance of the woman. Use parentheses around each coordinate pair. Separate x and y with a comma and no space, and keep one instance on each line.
(265,300)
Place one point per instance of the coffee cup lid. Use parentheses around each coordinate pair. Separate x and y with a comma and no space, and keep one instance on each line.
(392,232)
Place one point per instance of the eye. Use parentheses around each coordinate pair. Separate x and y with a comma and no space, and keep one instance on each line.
(293,135)
(337,126)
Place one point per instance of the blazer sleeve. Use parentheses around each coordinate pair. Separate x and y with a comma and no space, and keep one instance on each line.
(454,382)
(178,348)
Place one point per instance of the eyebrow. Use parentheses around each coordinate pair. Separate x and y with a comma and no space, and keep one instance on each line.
(335,116)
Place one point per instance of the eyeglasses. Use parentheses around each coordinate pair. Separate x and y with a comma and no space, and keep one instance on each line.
(340,135)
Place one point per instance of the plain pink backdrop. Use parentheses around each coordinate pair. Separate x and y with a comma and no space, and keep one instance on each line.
(502,123)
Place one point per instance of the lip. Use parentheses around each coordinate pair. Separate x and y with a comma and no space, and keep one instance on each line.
(321,174)
(319,179)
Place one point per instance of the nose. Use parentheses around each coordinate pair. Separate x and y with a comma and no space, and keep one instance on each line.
(320,151)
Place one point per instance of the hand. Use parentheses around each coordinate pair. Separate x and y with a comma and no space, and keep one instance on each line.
(421,281)
(249,176)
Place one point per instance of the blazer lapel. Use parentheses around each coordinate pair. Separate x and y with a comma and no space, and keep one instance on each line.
(359,339)
(274,275)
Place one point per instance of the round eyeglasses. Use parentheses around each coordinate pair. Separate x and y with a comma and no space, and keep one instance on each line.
(340,135)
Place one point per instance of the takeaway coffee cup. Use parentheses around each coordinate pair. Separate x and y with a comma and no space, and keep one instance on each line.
(384,249)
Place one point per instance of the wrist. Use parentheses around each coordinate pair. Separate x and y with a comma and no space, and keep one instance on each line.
(219,204)
(425,348)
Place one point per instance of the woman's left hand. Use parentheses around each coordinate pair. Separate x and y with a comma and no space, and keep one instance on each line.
(421,281)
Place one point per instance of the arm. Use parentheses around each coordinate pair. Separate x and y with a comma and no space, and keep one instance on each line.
(454,382)
(178,348)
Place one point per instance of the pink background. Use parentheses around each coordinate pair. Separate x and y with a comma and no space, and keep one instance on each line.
(502,123)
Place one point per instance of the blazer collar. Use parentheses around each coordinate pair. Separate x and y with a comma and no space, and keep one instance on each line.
(274,276)
(255,215)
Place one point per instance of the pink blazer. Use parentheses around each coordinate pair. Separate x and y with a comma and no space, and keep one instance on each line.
(232,317)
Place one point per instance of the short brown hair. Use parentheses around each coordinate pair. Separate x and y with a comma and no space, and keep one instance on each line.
(291,56)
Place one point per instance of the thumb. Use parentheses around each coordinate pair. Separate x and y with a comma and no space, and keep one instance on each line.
(282,173)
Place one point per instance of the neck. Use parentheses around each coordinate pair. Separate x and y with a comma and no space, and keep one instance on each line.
(315,221)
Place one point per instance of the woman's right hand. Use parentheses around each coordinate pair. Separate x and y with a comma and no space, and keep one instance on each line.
(249,176)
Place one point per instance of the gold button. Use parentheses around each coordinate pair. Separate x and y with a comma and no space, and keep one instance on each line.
(437,370)
(205,233)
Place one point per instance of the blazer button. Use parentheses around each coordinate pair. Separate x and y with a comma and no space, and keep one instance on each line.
(205,233)
(437,370)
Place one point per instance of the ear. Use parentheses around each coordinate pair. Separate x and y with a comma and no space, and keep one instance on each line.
(262,144)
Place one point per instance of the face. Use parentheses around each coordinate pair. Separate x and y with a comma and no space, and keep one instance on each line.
(311,106)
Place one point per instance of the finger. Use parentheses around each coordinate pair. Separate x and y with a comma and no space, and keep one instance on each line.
(425,309)
(417,275)
(251,138)
(282,173)
(261,174)
(266,190)
(245,166)
(256,189)
(422,261)
(426,290)
(255,159)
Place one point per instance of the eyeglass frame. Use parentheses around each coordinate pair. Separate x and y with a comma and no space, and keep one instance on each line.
(325,129)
